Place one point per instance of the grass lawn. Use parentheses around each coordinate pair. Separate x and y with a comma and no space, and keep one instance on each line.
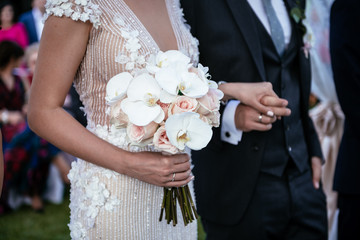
(25,224)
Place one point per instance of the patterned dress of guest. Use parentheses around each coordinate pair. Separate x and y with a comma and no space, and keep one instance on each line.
(26,156)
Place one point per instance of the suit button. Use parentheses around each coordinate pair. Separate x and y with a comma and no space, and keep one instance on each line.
(255,148)
(290,149)
(227,134)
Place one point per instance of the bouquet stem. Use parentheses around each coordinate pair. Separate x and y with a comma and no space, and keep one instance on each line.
(186,203)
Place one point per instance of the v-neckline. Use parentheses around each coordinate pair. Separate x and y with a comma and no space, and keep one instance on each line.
(144,29)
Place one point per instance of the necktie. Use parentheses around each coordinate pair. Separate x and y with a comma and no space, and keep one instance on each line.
(277,33)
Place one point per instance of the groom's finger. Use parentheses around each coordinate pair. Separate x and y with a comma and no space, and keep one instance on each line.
(316,171)
(264,119)
(261,127)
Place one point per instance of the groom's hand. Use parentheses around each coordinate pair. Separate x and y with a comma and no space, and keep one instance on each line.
(248,119)
(316,171)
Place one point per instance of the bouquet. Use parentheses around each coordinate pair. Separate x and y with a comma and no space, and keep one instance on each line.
(171,105)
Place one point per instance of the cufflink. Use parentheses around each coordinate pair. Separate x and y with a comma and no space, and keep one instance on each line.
(227,134)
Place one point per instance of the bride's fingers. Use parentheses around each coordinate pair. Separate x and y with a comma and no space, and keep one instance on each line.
(181,167)
(178,176)
(281,112)
(277,105)
(272,101)
(263,109)
(180,158)
(179,183)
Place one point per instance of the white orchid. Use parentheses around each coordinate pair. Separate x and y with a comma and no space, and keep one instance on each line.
(187,129)
(172,72)
(166,59)
(141,104)
(193,86)
(203,71)
(117,86)
(178,78)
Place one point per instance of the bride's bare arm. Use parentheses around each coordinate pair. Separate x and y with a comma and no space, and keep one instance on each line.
(62,48)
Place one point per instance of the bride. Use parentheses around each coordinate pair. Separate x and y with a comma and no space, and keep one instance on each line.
(116,188)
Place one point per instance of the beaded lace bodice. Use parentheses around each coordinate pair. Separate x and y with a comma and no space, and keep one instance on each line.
(106,204)
(118,42)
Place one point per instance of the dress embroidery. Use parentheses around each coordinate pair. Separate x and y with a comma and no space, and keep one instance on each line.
(106,204)
(83,10)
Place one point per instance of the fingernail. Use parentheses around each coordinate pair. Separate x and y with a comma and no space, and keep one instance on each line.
(317,185)
(192,178)
(270,113)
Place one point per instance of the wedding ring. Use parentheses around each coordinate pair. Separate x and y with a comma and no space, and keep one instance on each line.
(173,179)
(260,118)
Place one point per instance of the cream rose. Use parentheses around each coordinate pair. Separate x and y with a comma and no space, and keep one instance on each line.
(161,141)
(165,108)
(210,102)
(139,134)
(118,117)
(183,104)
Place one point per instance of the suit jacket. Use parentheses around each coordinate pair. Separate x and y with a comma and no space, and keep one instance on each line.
(345,58)
(225,174)
(28,20)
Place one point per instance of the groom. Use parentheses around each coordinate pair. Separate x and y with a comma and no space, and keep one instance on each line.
(263,184)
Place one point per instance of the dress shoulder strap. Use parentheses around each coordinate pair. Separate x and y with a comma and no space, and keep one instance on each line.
(83,10)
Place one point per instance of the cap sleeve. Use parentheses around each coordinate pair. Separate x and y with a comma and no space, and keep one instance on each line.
(83,10)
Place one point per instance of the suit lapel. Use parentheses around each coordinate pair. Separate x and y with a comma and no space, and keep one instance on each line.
(244,20)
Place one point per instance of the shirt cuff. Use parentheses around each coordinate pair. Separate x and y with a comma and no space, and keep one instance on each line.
(229,132)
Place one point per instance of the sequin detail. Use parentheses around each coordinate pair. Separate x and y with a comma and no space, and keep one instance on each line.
(105,204)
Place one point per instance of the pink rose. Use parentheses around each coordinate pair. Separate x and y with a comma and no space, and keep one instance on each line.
(117,116)
(183,104)
(138,134)
(165,108)
(161,141)
(210,102)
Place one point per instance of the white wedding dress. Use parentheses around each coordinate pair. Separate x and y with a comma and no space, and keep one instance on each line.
(105,204)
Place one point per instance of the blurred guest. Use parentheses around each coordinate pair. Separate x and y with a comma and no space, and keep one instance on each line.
(1,164)
(12,94)
(10,30)
(27,157)
(327,115)
(31,54)
(33,20)
(12,90)
(345,57)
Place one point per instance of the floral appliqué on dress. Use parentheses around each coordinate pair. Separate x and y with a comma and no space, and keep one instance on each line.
(83,10)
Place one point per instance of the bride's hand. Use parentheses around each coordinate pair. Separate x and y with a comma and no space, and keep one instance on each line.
(251,94)
(159,169)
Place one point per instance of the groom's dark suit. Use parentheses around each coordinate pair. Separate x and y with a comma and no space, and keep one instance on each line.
(233,183)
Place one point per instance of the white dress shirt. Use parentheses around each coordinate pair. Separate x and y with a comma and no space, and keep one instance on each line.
(229,132)
(39,25)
